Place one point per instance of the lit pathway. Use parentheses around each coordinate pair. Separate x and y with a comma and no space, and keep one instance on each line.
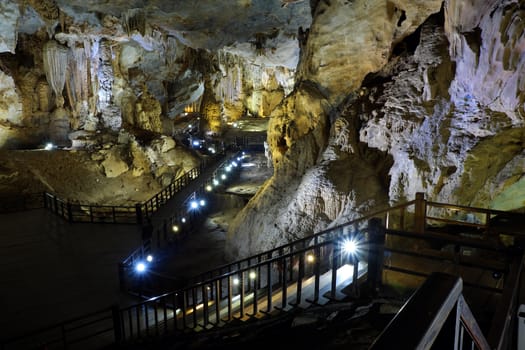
(160,318)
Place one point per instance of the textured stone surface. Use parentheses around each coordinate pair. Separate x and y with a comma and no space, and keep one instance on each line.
(368,101)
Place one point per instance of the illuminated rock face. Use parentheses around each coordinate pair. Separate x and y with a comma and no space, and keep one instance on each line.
(369,101)
(442,110)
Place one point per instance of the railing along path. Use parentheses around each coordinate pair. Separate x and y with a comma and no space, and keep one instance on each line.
(316,270)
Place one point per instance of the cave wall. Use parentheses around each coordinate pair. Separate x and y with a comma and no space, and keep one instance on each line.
(431,100)
(368,101)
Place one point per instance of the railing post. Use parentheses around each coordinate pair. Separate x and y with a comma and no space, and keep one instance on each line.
(420,213)
(376,237)
(117,323)
(138,211)
(122,276)
(69,212)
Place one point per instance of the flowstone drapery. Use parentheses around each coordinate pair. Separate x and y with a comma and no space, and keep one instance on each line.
(55,65)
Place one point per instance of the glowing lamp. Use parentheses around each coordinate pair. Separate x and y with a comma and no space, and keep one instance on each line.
(223,176)
(349,246)
(49,146)
(252,275)
(175,228)
(202,202)
(236,281)
(228,168)
(194,205)
(149,258)
(140,267)
(310,258)
(209,188)
(183,220)
(215,182)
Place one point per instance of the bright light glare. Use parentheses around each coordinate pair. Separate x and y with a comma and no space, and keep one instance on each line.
(202,202)
(183,220)
(349,246)
(49,146)
(196,143)
(228,168)
(235,281)
(209,188)
(149,258)
(175,228)
(194,205)
(140,267)
(310,258)
(223,176)
(212,150)
(215,182)
(252,275)
(234,164)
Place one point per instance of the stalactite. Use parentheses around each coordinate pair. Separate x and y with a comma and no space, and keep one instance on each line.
(134,19)
(55,65)
(170,52)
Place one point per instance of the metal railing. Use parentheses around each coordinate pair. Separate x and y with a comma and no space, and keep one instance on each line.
(73,212)
(422,321)
(313,270)
(14,203)
(90,331)
(184,219)
(279,282)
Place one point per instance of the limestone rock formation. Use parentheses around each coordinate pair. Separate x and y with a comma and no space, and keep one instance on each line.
(368,101)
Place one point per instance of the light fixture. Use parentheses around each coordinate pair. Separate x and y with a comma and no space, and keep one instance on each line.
(209,188)
(252,275)
(215,182)
(234,164)
(183,220)
(223,176)
(310,258)
(194,205)
(202,202)
(349,246)
(175,228)
(49,146)
(196,143)
(149,258)
(236,281)
(228,168)
(140,267)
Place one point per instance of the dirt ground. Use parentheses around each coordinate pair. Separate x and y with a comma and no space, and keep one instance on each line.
(72,175)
